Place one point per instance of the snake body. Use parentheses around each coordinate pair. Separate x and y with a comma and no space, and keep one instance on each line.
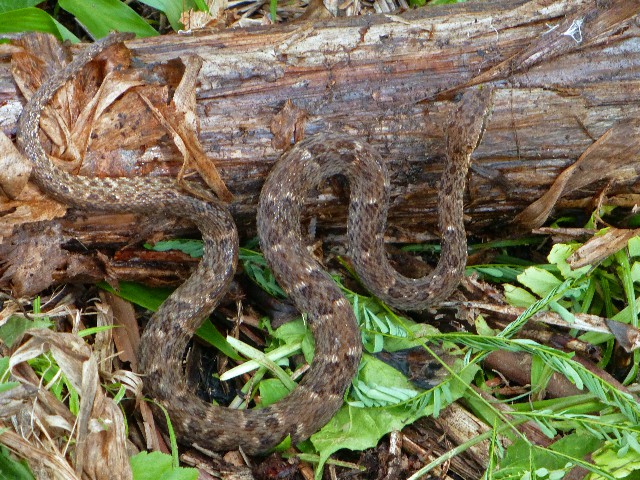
(338,348)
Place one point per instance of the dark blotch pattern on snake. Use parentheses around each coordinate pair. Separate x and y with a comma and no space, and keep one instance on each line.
(310,405)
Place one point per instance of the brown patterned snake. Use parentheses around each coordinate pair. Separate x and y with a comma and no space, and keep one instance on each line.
(338,348)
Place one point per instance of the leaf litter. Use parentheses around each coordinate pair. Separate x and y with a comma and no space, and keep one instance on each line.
(80,371)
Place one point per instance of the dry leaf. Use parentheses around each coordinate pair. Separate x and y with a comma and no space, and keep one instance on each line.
(30,206)
(14,168)
(608,157)
(43,463)
(99,431)
(67,121)
(126,337)
(91,114)
(586,25)
(287,126)
(596,249)
(14,400)
(23,203)
(197,20)
(33,259)
(180,120)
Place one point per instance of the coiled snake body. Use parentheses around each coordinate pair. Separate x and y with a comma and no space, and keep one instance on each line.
(311,404)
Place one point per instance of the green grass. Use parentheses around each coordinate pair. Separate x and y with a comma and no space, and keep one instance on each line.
(601,424)
(96,18)
(382,399)
(611,425)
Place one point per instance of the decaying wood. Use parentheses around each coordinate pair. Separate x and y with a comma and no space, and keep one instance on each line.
(567,80)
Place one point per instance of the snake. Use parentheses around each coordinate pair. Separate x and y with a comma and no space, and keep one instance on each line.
(313,402)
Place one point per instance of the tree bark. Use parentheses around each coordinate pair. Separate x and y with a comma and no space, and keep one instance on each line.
(565,73)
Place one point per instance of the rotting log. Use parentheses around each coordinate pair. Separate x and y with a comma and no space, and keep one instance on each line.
(566,75)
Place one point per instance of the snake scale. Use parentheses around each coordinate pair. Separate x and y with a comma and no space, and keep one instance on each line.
(338,348)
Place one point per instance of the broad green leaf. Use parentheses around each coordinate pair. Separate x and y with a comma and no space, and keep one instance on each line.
(4,387)
(15,326)
(9,5)
(521,456)
(375,372)
(558,256)
(172,9)
(518,297)
(101,17)
(379,384)
(158,466)
(635,272)
(634,247)
(4,367)
(625,465)
(201,5)
(483,328)
(539,281)
(210,334)
(33,19)
(147,297)
(296,333)
(291,332)
(151,298)
(493,271)
(13,469)
(271,391)
(191,247)
(360,428)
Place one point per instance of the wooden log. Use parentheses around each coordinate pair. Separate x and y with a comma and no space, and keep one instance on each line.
(565,74)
